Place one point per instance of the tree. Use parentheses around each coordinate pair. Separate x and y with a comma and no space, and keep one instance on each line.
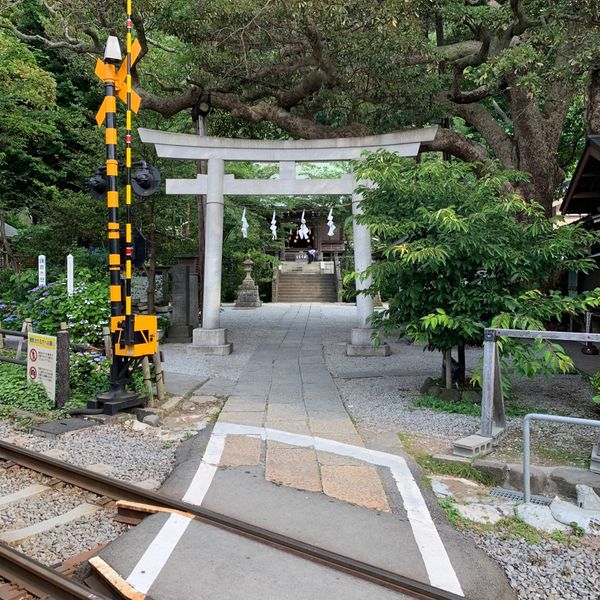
(458,252)
(508,69)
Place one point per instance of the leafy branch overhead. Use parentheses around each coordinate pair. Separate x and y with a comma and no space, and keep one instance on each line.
(500,75)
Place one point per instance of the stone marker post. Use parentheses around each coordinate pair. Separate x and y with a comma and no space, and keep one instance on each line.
(41,270)
(70,274)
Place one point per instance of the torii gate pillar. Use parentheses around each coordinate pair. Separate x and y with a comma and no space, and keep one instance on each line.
(361,343)
(211,338)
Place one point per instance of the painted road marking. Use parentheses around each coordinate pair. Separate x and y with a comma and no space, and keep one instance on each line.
(433,552)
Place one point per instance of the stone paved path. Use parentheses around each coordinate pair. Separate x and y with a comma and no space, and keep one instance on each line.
(286,386)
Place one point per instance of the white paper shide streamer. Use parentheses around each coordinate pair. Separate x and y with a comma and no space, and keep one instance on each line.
(330,223)
(273,227)
(244,224)
(303,231)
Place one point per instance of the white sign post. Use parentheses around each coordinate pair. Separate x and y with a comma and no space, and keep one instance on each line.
(41,270)
(70,274)
(41,361)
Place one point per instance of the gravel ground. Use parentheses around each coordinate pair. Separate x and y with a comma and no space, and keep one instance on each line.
(130,456)
(16,479)
(83,534)
(549,570)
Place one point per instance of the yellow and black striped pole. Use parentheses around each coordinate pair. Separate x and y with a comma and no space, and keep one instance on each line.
(108,114)
(129,322)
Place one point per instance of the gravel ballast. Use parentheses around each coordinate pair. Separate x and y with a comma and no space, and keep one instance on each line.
(61,543)
(129,456)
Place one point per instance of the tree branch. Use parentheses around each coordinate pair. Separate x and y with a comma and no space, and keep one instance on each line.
(500,142)
(74,45)
(458,145)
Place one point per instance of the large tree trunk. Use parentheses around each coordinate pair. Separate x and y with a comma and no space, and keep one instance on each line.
(537,135)
(592,104)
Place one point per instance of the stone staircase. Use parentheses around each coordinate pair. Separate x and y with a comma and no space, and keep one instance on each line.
(301,282)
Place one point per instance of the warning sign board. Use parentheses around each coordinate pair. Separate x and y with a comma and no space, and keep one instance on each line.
(41,361)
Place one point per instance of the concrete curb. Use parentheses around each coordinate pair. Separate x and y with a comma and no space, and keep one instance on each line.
(547,481)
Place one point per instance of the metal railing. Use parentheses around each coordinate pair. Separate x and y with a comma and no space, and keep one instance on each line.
(493,417)
(526,441)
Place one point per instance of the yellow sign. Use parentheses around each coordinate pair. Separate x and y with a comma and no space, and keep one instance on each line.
(41,361)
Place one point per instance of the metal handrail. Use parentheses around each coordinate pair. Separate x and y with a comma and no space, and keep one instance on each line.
(526,449)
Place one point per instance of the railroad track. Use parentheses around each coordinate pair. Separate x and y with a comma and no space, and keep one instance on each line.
(135,502)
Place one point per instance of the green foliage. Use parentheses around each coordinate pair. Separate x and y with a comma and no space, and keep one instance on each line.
(452,513)
(459,254)
(16,392)
(88,376)
(578,530)
(595,381)
(85,313)
(514,528)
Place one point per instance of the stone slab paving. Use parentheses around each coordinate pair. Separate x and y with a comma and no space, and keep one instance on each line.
(286,385)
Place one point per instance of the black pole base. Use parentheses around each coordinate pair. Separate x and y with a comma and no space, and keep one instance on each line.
(115,400)
(590,349)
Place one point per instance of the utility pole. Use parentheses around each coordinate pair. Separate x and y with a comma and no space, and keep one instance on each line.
(199,113)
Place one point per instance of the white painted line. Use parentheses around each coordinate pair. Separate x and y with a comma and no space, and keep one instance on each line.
(158,552)
(207,469)
(437,563)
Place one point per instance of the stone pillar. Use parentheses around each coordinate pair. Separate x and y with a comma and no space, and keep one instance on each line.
(211,338)
(360,339)
(180,330)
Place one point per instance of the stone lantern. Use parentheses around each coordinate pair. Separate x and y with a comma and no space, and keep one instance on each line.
(247,296)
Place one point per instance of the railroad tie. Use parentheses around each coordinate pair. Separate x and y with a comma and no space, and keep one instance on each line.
(18,535)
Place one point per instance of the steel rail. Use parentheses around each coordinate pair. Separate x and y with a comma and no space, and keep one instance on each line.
(40,580)
(120,490)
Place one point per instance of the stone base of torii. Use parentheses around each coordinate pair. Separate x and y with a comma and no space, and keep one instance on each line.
(211,338)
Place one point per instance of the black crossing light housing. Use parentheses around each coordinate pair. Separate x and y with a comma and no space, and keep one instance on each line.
(145,179)
(99,184)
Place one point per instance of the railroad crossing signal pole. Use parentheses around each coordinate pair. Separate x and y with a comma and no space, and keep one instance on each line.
(132,336)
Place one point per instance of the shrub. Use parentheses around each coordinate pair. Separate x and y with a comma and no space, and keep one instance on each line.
(86,312)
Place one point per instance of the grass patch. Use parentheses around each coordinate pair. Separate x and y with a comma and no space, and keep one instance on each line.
(452,514)
(449,406)
(463,470)
(461,407)
(560,455)
(514,528)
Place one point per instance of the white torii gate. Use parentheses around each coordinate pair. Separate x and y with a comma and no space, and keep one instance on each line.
(211,338)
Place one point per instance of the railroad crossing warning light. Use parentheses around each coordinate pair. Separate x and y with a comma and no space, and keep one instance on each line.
(145,180)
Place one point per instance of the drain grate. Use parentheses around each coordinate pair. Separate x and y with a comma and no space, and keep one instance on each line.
(519,496)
